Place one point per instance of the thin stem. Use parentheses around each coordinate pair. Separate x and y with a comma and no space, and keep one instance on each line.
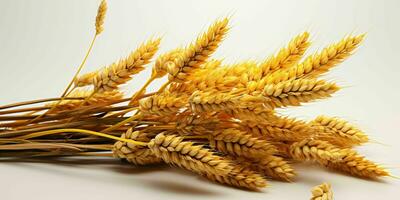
(50,132)
(138,93)
(163,86)
(72,81)
(24,103)
(113,127)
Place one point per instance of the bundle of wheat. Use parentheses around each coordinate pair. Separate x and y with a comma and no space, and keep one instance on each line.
(217,120)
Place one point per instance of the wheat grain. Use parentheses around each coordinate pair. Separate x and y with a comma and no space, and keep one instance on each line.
(164,62)
(101,14)
(172,149)
(322,192)
(338,131)
(238,143)
(287,56)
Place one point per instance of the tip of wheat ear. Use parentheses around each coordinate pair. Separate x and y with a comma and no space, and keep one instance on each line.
(101,14)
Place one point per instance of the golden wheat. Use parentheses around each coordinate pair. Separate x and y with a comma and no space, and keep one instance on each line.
(294,92)
(338,131)
(311,149)
(238,143)
(110,77)
(287,56)
(319,63)
(172,149)
(101,14)
(198,52)
(165,103)
(275,167)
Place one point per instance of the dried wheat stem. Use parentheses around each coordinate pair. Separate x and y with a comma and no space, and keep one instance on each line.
(322,192)
(187,155)
(71,130)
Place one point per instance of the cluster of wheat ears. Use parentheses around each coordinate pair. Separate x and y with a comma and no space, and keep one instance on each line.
(217,120)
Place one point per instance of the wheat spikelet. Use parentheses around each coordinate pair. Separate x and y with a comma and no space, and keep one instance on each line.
(187,155)
(322,192)
(197,53)
(85,79)
(317,150)
(101,14)
(294,92)
(135,154)
(165,103)
(242,176)
(274,167)
(110,77)
(165,61)
(97,98)
(338,131)
(287,56)
(319,63)
(356,165)
(238,143)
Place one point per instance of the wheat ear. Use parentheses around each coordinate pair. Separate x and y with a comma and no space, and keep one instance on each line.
(172,149)
(110,77)
(165,103)
(338,131)
(287,56)
(241,176)
(198,52)
(275,167)
(322,192)
(319,63)
(317,150)
(356,165)
(135,154)
(295,92)
(101,14)
(239,143)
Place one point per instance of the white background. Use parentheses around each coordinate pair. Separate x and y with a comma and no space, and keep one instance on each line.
(42,42)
